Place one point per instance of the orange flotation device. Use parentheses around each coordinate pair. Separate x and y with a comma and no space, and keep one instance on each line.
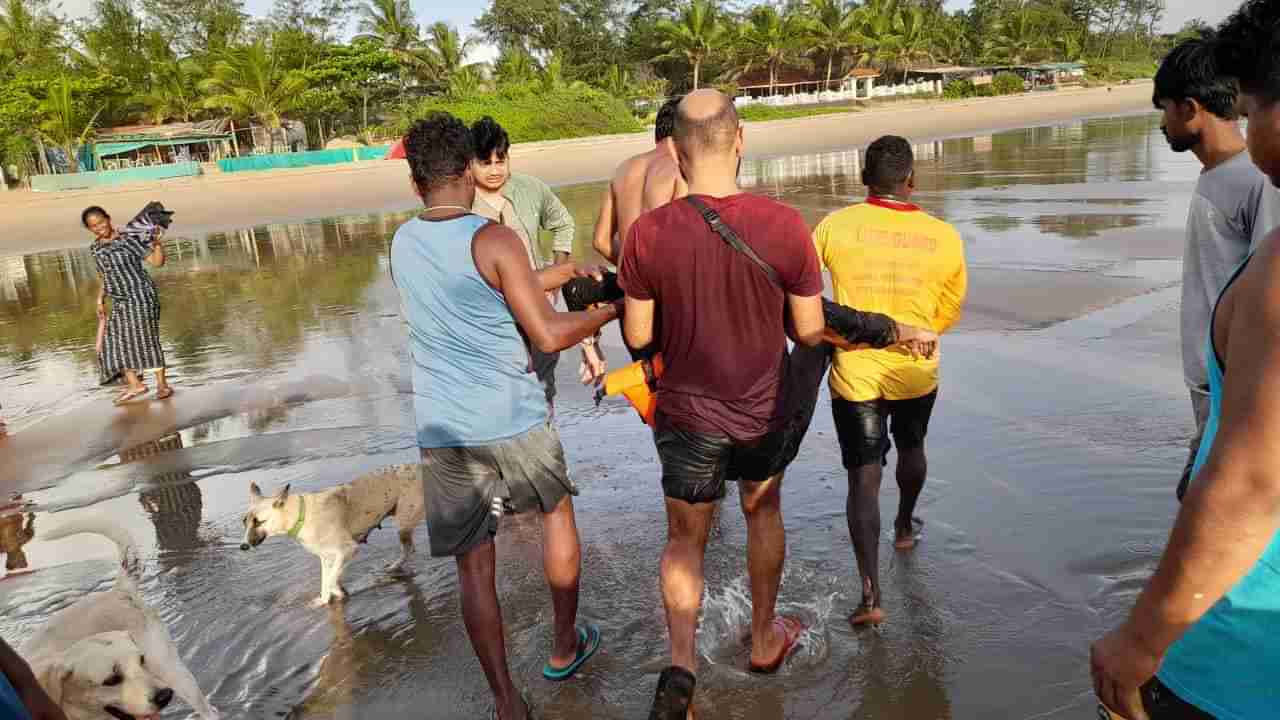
(637,382)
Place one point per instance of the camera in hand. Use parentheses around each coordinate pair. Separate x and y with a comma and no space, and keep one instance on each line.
(583,292)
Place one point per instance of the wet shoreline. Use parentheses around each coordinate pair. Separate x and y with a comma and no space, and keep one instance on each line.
(1058,438)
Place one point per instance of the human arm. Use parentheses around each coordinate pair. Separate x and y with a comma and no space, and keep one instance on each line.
(637,322)
(606,227)
(102,299)
(501,259)
(553,277)
(805,322)
(556,219)
(155,255)
(1231,512)
(30,693)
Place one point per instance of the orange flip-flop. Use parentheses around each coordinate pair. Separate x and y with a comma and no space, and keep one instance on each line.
(792,629)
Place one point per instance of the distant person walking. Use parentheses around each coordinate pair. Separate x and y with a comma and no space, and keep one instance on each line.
(1233,206)
(887,256)
(129,334)
(528,206)
(1201,640)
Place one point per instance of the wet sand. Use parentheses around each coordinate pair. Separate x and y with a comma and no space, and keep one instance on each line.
(32,222)
(1058,438)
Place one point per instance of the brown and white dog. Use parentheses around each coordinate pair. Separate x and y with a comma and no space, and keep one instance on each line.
(332,523)
(109,656)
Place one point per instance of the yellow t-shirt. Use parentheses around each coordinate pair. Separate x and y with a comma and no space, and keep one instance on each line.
(892,258)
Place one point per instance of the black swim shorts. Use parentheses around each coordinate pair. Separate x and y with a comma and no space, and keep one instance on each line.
(696,467)
(864,427)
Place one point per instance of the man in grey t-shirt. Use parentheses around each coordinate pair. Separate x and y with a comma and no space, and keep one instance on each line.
(1232,208)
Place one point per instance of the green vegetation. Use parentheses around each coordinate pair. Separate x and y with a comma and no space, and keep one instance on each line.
(530,113)
(1007,83)
(565,67)
(758,113)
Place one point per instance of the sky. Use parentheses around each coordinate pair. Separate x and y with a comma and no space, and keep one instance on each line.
(461,13)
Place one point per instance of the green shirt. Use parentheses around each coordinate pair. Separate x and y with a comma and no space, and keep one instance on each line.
(536,208)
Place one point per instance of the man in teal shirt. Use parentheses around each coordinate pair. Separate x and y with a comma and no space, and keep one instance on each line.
(1202,640)
(527,205)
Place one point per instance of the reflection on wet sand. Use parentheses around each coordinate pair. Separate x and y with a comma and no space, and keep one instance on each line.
(289,365)
(16,530)
(172,500)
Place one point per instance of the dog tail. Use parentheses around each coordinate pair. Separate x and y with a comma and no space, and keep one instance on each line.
(96,524)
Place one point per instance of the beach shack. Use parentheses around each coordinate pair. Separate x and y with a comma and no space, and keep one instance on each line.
(855,84)
(136,146)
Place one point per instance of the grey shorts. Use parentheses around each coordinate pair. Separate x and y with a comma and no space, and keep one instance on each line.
(468,489)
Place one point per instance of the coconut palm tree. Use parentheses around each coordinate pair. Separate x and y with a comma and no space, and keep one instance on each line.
(250,81)
(68,124)
(770,39)
(695,36)
(912,40)
(446,52)
(831,31)
(878,26)
(392,24)
(1018,37)
(25,35)
(515,65)
(173,92)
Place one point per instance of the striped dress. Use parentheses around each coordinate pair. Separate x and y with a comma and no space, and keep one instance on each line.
(132,341)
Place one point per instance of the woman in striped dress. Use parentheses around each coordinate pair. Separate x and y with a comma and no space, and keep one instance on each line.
(131,343)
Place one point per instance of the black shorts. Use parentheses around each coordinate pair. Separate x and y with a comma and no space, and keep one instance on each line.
(697,466)
(1162,704)
(864,427)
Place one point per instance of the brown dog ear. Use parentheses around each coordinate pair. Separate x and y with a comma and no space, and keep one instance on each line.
(281,496)
(51,678)
(255,492)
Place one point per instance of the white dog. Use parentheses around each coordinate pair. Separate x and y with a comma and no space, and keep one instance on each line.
(330,524)
(109,655)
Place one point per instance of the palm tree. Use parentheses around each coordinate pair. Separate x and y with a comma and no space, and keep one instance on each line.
(912,40)
(173,92)
(769,38)
(24,35)
(68,124)
(392,24)
(446,52)
(831,30)
(250,81)
(694,37)
(1018,36)
(878,26)
(514,65)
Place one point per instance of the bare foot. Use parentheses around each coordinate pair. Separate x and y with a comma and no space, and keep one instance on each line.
(164,392)
(787,631)
(867,614)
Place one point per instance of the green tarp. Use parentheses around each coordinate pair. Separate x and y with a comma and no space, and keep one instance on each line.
(301,159)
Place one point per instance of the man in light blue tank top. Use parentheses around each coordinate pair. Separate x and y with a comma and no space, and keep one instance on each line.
(473,305)
(1203,639)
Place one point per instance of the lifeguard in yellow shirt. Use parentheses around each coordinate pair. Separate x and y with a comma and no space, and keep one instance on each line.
(887,255)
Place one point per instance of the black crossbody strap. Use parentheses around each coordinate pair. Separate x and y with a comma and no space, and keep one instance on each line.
(724,231)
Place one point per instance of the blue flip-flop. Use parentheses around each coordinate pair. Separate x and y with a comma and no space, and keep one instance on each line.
(588,644)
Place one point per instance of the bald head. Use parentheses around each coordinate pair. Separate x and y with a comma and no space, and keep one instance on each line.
(706,124)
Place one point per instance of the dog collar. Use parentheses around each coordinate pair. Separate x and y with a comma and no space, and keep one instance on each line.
(302,517)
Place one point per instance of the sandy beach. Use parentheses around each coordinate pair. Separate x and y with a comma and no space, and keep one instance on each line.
(34,222)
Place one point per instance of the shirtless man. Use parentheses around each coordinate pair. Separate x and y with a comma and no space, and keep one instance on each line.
(640,184)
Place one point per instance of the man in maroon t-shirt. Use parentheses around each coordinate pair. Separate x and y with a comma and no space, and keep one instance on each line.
(722,335)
